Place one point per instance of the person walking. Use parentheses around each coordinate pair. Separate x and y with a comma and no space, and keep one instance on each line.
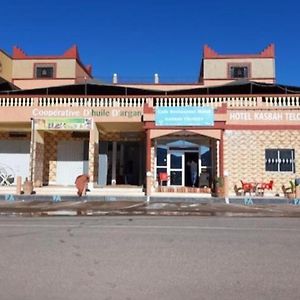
(81,183)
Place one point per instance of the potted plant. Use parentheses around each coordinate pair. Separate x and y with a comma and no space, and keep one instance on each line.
(292,190)
(219,186)
(297,187)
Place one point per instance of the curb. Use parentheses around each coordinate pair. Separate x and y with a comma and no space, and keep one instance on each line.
(104,208)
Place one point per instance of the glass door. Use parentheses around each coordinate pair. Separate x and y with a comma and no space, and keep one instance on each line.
(176,168)
(205,178)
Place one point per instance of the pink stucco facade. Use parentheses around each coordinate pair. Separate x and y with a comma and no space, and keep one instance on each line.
(20,69)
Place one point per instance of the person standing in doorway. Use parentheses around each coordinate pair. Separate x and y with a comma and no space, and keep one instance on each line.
(193,171)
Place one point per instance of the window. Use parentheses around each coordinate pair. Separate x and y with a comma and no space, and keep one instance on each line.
(161,160)
(44,71)
(205,156)
(280,160)
(239,71)
(161,155)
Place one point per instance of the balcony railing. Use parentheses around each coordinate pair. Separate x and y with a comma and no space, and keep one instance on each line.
(208,101)
(63,101)
(16,101)
(236,101)
(92,101)
(122,101)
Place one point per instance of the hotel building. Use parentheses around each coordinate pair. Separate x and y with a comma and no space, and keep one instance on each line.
(58,122)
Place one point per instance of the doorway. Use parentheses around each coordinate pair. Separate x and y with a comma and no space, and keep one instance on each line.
(191,166)
(184,168)
(120,163)
(174,157)
(72,160)
(176,169)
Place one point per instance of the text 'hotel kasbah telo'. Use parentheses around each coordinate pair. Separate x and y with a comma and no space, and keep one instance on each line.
(57,122)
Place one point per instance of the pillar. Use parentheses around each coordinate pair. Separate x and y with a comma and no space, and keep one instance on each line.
(37,157)
(148,163)
(226,187)
(122,159)
(217,162)
(142,162)
(221,155)
(93,155)
(114,164)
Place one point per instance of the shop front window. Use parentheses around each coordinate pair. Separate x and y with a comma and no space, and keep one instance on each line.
(205,156)
(161,161)
(161,156)
(176,160)
(176,177)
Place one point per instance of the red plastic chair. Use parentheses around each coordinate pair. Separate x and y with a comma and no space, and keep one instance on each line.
(247,187)
(163,177)
(261,187)
(268,185)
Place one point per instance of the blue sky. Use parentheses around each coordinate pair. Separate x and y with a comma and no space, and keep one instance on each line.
(139,38)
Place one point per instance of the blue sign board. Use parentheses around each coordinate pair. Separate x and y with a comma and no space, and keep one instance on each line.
(184,116)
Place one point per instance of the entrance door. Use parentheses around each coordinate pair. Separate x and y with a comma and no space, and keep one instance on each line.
(191,165)
(176,168)
(70,161)
(123,165)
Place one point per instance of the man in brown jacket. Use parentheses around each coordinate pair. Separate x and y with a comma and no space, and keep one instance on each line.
(81,183)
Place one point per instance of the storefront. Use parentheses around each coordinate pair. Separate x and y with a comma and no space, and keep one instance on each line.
(189,161)
(121,163)
(106,143)
(185,148)
(132,140)
(261,144)
(52,143)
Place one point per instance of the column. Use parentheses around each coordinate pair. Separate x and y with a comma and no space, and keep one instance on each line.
(114,164)
(217,164)
(226,187)
(221,155)
(148,163)
(141,162)
(37,158)
(122,159)
(93,155)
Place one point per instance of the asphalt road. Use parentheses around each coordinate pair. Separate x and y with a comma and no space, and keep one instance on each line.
(149,258)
